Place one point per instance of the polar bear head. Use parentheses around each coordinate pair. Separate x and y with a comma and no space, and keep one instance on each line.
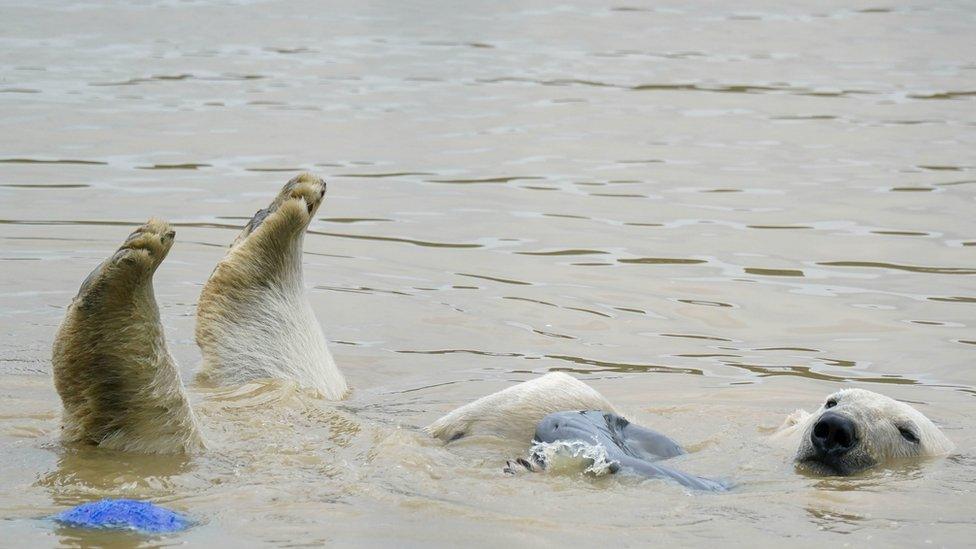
(856,429)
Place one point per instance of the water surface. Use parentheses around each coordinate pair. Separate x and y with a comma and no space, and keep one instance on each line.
(712,214)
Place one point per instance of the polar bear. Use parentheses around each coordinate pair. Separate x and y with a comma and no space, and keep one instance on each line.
(855,429)
(120,386)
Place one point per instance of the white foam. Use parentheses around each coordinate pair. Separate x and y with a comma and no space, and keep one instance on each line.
(573,456)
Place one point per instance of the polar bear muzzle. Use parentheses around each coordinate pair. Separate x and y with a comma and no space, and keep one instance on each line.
(834,441)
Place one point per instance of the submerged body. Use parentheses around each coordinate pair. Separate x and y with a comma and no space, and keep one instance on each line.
(854,430)
(546,409)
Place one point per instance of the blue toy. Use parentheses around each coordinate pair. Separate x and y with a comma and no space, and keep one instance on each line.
(124,514)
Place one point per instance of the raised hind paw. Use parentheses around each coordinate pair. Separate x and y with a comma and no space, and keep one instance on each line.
(148,244)
(131,266)
(291,211)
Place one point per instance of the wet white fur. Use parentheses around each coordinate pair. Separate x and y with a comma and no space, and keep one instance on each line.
(119,385)
(876,418)
(513,413)
(275,335)
(117,380)
(254,320)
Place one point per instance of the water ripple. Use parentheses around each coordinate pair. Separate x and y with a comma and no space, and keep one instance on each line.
(773,272)
(662,261)
(458,351)
(209,225)
(496,279)
(809,373)
(55,161)
(697,336)
(622,367)
(486,180)
(41,186)
(564,252)
(705,303)
(415,242)
(954,299)
(943,95)
(179,77)
(381,175)
(898,267)
(185,166)
(687,87)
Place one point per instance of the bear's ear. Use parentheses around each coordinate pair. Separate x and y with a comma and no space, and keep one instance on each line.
(790,426)
(794,419)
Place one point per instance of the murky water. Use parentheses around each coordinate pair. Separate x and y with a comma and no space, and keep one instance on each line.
(712,215)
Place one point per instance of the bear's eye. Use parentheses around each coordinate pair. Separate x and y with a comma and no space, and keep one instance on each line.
(908,434)
(831,403)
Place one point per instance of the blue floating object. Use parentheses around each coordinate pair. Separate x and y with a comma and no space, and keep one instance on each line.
(124,514)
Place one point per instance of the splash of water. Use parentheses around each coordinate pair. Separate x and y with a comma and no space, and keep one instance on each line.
(573,456)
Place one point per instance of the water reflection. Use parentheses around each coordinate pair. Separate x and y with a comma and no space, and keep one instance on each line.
(79,537)
(84,473)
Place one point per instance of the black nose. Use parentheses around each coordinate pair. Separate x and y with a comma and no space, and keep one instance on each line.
(833,434)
